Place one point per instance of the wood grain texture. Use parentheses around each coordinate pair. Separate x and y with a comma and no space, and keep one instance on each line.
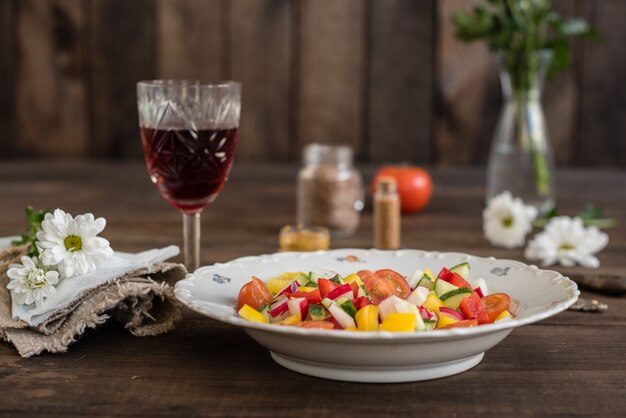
(603,103)
(469,95)
(205,368)
(190,39)
(7,74)
(331,71)
(400,83)
(260,57)
(51,88)
(122,53)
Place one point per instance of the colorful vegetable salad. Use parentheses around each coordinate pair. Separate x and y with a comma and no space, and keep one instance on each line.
(382,300)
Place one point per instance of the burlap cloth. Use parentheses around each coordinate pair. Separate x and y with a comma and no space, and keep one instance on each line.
(142,300)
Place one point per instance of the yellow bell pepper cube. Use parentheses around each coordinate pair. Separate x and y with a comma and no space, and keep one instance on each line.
(290,320)
(445,320)
(278,283)
(350,329)
(353,278)
(429,273)
(433,303)
(307,289)
(399,322)
(249,313)
(504,316)
(367,318)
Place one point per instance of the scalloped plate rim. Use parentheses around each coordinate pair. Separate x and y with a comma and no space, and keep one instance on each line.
(183,293)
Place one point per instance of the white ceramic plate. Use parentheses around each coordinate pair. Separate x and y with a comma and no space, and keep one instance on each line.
(378,356)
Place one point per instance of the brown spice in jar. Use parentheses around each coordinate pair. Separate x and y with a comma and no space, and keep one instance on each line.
(327,197)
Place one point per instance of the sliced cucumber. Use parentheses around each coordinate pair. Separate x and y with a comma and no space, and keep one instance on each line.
(317,312)
(364,293)
(348,307)
(303,279)
(337,279)
(430,324)
(426,282)
(462,270)
(453,298)
(311,284)
(265,311)
(442,287)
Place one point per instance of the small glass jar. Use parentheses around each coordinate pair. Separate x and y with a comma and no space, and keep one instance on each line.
(300,238)
(330,189)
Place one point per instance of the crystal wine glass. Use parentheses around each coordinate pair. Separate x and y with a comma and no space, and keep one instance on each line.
(189,134)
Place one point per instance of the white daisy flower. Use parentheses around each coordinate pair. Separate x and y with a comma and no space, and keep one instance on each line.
(31,282)
(566,241)
(72,244)
(507,221)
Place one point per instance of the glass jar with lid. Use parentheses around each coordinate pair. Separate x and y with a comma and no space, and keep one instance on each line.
(330,189)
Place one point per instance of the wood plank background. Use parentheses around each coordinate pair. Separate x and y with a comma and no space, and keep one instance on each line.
(386,76)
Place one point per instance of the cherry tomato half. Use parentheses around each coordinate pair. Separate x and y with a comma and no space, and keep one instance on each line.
(384,283)
(463,324)
(254,293)
(495,304)
(314,324)
(364,274)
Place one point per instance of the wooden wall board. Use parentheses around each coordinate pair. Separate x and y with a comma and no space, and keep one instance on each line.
(7,74)
(469,95)
(122,53)
(190,39)
(260,57)
(331,72)
(51,88)
(400,82)
(603,98)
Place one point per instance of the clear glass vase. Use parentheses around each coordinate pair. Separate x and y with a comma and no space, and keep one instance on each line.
(521,158)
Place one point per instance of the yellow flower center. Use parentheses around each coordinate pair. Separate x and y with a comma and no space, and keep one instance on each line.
(73,243)
(566,247)
(507,222)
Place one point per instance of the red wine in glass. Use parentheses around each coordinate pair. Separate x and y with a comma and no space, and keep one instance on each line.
(189,167)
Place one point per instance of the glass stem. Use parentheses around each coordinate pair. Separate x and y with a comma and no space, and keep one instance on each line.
(191,236)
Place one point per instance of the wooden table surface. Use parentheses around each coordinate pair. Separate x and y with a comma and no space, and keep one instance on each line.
(571,365)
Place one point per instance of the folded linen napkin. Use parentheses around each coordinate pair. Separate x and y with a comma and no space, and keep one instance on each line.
(131,288)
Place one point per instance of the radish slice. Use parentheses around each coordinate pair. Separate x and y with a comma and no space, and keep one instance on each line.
(388,306)
(341,291)
(480,287)
(298,306)
(290,288)
(450,312)
(418,296)
(341,316)
(426,314)
(415,278)
(279,308)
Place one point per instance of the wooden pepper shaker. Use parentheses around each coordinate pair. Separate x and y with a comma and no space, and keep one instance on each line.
(386,215)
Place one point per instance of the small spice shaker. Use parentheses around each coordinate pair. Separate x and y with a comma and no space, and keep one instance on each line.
(386,215)
(330,189)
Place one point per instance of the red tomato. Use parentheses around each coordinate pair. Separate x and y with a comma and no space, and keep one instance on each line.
(472,308)
(355,288)
(364,274)
(361,302)
(463,324)
(385,283)
(325,286)
(415,186)
(254,293)
(313,297)
(315,324)
(495,304)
